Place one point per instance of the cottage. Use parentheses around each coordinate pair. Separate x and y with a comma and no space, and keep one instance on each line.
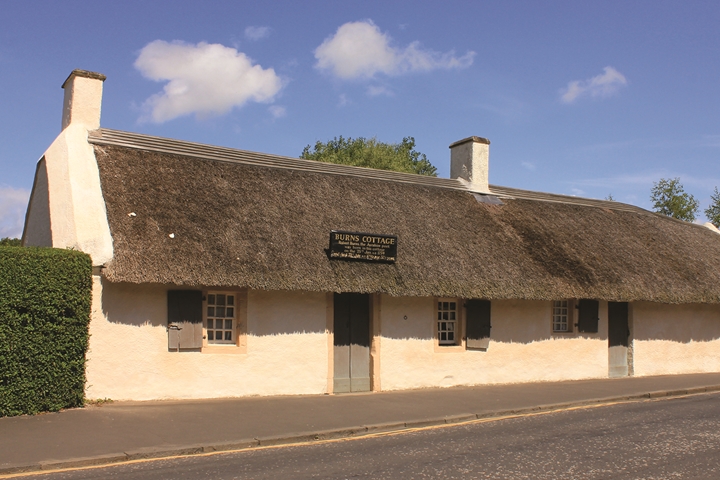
(221,272)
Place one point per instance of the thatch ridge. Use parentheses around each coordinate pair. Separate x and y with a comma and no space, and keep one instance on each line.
(105,136)
(268,228)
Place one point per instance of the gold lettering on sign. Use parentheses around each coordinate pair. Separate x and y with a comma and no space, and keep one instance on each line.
(363,246)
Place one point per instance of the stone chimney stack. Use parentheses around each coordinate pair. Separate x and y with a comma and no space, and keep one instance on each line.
(83,98)
(469,159)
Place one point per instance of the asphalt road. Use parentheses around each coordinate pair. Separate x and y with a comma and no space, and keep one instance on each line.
(660,439)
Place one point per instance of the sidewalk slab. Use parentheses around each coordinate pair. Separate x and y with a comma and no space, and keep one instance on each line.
(122,431)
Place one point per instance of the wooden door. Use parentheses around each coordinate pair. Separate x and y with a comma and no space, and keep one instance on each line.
(351,342)
(618,339)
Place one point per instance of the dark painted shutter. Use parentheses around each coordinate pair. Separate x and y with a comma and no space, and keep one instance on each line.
(184,318)
(588,316)
(477,324)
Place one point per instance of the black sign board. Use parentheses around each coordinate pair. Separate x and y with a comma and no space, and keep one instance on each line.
(363,246)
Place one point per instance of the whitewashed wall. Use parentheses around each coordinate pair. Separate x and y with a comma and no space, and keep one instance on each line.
(129,357)
(671,339)
(522,349)
(287,346)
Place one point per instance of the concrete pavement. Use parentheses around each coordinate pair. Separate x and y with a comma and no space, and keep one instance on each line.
(123,431)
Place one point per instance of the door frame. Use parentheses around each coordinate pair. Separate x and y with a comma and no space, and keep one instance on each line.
(375,334)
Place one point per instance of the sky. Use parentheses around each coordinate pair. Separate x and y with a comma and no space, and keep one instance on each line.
(577,97)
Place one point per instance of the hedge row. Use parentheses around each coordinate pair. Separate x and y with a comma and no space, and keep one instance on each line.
(45,296)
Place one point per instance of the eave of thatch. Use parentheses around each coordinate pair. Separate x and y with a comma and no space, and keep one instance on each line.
(257,225)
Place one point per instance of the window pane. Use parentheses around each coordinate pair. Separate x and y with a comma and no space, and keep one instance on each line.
(210,335)
(219,311)
(229,312)
(231,299)
(211,311)
(211,299)
(452,315)
(452,305)
(220,300)
(228,324)
(445,305)
(209,323)
(451,336)
(228,335)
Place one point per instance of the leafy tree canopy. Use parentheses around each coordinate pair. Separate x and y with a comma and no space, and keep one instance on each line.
(10,242)
(669,198)
(364,152)
(713,211)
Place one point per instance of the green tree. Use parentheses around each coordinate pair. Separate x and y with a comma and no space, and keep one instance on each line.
(364,152)
(10,242)
(713,211)
(669,198)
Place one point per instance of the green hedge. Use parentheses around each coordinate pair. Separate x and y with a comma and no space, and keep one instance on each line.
(45,296)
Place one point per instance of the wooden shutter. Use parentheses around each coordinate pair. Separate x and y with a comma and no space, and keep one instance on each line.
(184,319)
(477,324)
(588,316)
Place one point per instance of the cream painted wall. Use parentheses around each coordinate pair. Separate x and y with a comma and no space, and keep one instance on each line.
(672,339)
(522,349)
(67,204)
(288,346)
(71,188)
(129,359)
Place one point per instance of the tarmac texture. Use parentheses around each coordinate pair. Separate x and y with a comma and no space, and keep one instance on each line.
(123,431)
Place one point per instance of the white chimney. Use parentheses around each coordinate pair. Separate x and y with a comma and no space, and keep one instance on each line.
(83,98)
(469,159)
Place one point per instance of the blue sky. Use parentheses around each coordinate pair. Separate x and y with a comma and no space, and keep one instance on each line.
(582,98)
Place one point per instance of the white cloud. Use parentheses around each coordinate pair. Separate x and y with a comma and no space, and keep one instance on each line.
(204,79)
(602,85)
(529,166)
(257,33)
(375,90)
(361,50)
(277,111)
(343,100)
(13,203)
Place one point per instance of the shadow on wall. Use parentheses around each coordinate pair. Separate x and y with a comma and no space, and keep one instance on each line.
(676,323)
(521,322)
(139,305)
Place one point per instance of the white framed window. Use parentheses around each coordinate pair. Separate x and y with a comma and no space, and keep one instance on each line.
(562,316)
(220,318)
(448,322)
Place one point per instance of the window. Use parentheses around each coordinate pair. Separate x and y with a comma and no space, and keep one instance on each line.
(561,316)
(220,318)
(209,321)
(447,322)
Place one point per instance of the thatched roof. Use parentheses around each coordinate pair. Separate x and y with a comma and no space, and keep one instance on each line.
(189,214)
